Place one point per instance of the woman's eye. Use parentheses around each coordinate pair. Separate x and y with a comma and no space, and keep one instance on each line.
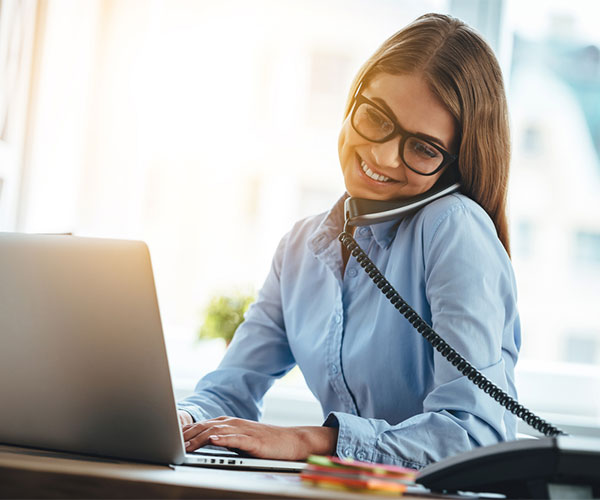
(424,149)
(378,120)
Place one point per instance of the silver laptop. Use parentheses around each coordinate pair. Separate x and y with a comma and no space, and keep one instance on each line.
(83,366)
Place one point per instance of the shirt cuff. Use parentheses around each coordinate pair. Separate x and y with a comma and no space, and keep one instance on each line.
(356,437)
(196,413)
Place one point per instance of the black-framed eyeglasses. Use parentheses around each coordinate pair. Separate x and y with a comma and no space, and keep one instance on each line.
(421,155)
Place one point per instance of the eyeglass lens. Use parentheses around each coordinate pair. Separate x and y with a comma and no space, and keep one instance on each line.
(375,126)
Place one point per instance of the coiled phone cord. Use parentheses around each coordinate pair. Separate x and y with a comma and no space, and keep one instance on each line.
(438,343)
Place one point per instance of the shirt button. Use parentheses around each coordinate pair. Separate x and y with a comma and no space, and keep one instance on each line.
(352,272)
(360,455)
(338,318)
(363,231)
(334,369)
(348,452)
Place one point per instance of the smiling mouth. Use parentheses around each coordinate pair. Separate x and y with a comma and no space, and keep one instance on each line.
(372,175)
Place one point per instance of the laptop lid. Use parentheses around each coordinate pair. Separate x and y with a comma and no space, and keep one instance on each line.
(83,366)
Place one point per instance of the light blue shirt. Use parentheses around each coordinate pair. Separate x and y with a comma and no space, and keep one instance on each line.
(394,399)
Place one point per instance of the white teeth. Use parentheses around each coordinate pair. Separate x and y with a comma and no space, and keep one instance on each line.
(371,174)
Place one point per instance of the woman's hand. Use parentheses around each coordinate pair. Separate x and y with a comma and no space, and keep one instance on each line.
(261,440)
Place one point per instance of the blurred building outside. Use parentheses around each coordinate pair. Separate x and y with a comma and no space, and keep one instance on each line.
(555,215)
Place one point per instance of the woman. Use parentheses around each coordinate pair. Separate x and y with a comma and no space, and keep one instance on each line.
(429,102)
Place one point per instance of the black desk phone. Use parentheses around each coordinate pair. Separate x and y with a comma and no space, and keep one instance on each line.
(554,466)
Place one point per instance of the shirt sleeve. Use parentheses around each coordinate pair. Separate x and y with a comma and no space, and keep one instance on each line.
(258,354)
(470,287)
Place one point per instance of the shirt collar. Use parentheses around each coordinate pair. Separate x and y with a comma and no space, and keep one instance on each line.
(333,224)
(385,232)
(329,228)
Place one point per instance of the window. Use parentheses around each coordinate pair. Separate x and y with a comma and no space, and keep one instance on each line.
(330,75)
(552,54)
(523,238)
(586,248)
(17,24)
(582,348)
(532,140)
(219,124)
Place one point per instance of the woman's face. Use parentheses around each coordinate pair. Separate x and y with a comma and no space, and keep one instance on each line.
(417,110)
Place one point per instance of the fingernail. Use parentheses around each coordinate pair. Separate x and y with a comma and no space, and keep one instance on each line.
(214,438)
(186,444)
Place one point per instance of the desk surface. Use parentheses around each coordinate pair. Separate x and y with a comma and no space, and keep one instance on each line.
(28,473)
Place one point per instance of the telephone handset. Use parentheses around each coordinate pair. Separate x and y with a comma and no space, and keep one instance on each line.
(556,466)
(362,212)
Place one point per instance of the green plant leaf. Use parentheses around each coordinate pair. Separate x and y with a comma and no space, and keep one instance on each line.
(224,314)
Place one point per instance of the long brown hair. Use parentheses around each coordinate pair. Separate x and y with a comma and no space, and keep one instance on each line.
(461,69)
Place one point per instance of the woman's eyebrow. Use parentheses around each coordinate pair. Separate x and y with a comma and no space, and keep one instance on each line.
(388,110)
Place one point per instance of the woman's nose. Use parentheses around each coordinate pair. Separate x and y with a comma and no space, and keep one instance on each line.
(386,154)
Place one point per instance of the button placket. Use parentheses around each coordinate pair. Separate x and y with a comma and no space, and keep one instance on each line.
(341,388)
(334,347)
(335,338)
(337,381)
